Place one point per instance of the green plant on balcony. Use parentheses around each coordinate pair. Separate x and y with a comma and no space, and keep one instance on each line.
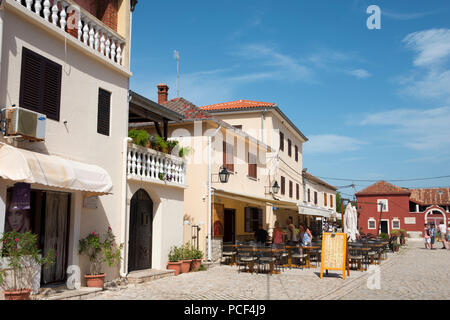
(183,151)
(158,143)
(139,137)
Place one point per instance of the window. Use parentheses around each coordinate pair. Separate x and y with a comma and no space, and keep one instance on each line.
(331,201)
(289,148)
(281,141)
(325,199)
(372,224)
(309,195)
(228,156)
(252,166)
(297,191)
(382,204)
(40,84)
(395,223)
(253,219)
(291,191)
(315,197)
(238,126)
(283,181)
(104,112)
(296,153)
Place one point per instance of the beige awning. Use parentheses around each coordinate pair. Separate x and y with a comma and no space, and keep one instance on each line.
(35,168)
(314,211)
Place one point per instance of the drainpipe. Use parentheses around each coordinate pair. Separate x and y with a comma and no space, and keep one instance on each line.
(210,190)
(123,209)
(262,125)
(1,35)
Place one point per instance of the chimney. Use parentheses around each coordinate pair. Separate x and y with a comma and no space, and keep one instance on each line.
(163,92)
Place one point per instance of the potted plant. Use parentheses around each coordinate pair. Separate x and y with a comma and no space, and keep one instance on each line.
(186,257)
(174,262)
(158,143)
(99,252)
(183,151)
(22,257)
(197,256)
(171,144)
(395,247)
(139,137)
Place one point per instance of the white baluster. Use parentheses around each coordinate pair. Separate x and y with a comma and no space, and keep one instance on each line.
(138,165)
(55,12)
(63,15)
(156,167)
(133,163)
(102,43)
(37,7)
(113,49)
(97,39)
(119,53)
(86,33)
(108,44)
(152,167)
(46,9)
(80,27)
(28,4)
(129,162)
(91,36)
(149,166)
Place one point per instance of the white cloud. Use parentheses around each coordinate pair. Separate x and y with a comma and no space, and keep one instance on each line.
(432,46)
(360,73)
(420,130)
(331,144)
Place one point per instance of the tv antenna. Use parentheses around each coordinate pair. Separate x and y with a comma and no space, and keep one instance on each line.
(176,54)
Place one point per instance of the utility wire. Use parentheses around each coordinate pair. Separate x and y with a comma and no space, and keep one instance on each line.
(392,180)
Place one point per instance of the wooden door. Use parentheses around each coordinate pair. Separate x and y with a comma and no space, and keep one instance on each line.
(141,226)
(229,225)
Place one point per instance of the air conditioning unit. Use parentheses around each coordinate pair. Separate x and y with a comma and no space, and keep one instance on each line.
(22,122)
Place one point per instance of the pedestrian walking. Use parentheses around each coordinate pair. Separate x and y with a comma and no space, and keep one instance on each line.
(443,230)
(432,235)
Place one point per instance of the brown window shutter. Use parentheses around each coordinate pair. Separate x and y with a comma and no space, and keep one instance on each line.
(252,166)
(297,195)
(309,195)
(260,218)
(315,197)
(283,185)
(248,219)
(281,141)
(296,153)
(228,156)
(289,147)
(331,200)
(290,189)
(325,199)
(104,112)
(40,86)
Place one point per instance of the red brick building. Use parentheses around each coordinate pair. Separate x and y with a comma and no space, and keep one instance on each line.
(386,207)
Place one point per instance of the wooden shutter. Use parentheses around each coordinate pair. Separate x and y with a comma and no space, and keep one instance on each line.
(315,197)
(296,153)
(309,195)
(297,195)
(260,218)
(248,219)
(289,147)
(281,141)
(40,86)
(104,112)
(325,199)
(331,201)
(228,156)
(283,190)
(252,166)
(290,189)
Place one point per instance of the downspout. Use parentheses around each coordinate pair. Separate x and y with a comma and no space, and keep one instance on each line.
(262,125)
(123,209)
(210,190)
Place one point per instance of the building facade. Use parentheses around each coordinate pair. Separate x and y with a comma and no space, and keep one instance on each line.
(385,207)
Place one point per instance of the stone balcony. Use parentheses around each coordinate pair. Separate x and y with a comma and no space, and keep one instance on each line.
(144,164)
(77,24)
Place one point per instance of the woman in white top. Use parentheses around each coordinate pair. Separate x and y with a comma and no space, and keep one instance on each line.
(292,235)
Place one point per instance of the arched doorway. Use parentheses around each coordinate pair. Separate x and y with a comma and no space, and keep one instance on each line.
(435,215)
(141,226)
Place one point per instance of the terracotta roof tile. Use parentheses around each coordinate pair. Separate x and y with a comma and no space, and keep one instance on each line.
(186,108)
(430,196)
(238,104)
(383,187)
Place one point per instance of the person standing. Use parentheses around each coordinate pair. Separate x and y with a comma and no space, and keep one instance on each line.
(432,235)
(277,234)
(292,233)
(305,236)
(426,234)
(443,230)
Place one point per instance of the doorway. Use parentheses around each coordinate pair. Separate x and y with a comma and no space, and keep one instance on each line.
(141,229)
(384,226)
(229,225)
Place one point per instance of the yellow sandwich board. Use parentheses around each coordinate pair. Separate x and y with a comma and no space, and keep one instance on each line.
(334,252)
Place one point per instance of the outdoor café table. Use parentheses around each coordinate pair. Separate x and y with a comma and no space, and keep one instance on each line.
(272,263)
(289,264)
(308,254)
(233,246)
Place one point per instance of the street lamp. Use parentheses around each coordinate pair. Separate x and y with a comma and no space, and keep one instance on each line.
(275,187)
(224,175)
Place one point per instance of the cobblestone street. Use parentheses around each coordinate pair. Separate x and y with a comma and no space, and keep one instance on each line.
(413,273)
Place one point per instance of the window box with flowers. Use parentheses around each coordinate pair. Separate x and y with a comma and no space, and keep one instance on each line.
(99,252)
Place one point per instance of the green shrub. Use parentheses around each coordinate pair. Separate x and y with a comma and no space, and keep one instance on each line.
(140,137)
(175,254)
(183,151)
(384,236)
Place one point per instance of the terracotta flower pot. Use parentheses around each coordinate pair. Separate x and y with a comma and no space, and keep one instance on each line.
(96,281)
(185,266)
(174,266)
(23,294)
(195,264)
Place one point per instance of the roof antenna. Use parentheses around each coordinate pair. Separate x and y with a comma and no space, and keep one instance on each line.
(176,55)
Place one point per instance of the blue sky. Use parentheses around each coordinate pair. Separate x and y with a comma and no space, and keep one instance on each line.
(375,104)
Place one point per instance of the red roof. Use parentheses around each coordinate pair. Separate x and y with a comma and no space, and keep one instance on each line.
(186,108)
(238,104)
(383,188)
(440,196)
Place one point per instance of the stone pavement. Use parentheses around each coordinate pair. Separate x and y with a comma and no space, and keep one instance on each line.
(413,273)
